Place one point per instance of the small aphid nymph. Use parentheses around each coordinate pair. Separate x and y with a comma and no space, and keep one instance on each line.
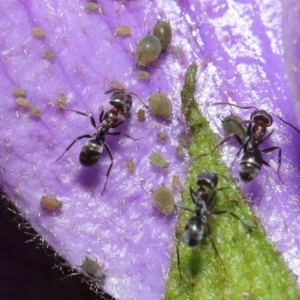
(143,75)
(162,136)
(117,85)
(176,182)
(50,203)
(147,51)
(141,115)
(130,166)
(163,200)
(92,270)
(90,6)
(38,32)
(158,160)
(163,31)
(22,101)
(124,30)
(18,92)
(48,54)
(180,151)
(62,101)
(160,105)
(35,111)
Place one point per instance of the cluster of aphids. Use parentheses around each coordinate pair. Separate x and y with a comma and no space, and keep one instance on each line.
(151,46)
(250,134)
(148,50)
(90,267)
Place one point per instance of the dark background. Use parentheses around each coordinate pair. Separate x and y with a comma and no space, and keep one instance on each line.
(27,272)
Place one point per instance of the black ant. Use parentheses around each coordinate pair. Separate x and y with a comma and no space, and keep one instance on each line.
(90,153)
(252,161)
(203,199)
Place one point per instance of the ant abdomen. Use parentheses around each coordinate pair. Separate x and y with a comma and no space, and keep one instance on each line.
(193,232)
(250,164)
(90,153)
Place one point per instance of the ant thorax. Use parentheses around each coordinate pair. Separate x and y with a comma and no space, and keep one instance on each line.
(111,117)
(201,210)
(101,130)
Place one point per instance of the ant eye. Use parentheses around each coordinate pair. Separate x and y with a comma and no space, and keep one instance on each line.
(148,51)
(162,30)
(160,105)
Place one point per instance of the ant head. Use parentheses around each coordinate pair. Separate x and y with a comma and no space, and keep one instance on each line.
(122,100)
(207,179)
(263,116)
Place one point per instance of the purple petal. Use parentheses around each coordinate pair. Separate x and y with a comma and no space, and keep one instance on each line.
(121,229)
(238,46)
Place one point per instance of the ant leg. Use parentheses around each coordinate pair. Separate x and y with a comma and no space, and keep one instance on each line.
(117,124)
(193,195)
(244,144)
(263,189)
(214,245)
(178,261)
(213,196)
(139,98)
(279,158)
(267,136)
(80,137)
(231,104)
(93,122)
(111,164)
(112,90)
(101,116)
(286,122)
(220,212)
(185,208)
(225,140)
(122,133)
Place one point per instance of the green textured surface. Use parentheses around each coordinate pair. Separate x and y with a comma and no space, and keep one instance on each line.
(253,268)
